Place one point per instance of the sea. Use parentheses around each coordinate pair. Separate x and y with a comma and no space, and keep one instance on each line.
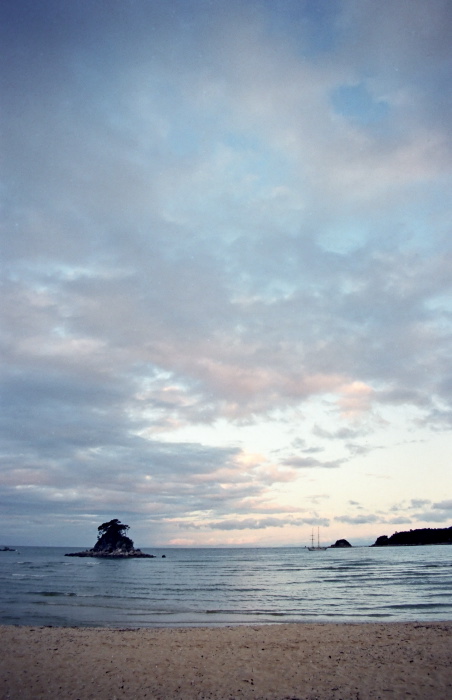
(218,587)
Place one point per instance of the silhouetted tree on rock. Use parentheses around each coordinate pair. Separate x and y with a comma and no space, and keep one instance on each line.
(113,543)
(111,537)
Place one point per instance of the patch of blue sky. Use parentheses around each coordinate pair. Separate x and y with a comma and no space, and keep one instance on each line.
(185,138)
(355,103)
(409,230)
(246,177)
(441,305)
(344,237)
(239,140)
(269,169)
(190,131)
(273,291)
(423,222)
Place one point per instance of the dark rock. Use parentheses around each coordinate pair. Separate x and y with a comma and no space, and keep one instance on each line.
(115,554)
(112,543)
(340,544)
(381,541)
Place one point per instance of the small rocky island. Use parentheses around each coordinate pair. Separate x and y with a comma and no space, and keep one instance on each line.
(112,543)
(340,544)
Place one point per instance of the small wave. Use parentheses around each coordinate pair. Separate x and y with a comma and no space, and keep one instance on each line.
(419,606)
(246,613)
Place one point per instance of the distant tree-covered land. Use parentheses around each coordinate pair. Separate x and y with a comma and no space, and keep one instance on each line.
(438,535)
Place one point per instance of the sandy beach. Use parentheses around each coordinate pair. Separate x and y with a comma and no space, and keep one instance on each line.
(275,662)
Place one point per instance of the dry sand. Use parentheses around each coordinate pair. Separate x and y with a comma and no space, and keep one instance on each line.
(275,662)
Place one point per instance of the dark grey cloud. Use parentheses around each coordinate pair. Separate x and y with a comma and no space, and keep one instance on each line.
(311,462)
(419,502)
(358,519)
(443,505)
(344,433)
(434,517)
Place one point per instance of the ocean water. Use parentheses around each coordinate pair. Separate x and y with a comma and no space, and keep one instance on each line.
(210,587)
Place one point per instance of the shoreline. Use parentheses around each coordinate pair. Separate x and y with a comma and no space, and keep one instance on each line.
(302,661)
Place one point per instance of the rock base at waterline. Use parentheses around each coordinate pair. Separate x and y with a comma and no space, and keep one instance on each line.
(115,554)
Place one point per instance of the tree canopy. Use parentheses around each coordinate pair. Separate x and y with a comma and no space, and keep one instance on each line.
(111,537)
(113,527)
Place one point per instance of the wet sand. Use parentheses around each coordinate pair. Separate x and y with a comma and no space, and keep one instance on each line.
(271,662)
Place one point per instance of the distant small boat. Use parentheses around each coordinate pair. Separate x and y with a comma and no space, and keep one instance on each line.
(313,548)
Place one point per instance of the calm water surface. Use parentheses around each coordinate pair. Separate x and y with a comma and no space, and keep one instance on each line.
(191,587)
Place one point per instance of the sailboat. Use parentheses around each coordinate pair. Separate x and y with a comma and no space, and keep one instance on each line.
(313,548)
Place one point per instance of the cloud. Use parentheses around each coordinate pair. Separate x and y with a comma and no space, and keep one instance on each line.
(311,462)
(416,512)
(356,504)
(343,433)
(432,516)
(256,523)
(217,219)
(358,519)
(419,502)
(401,520)
(443,505)
(356,398)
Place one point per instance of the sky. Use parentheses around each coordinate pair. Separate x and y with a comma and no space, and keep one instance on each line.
(226,270)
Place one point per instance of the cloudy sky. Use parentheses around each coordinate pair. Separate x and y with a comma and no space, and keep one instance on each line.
(226,269)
